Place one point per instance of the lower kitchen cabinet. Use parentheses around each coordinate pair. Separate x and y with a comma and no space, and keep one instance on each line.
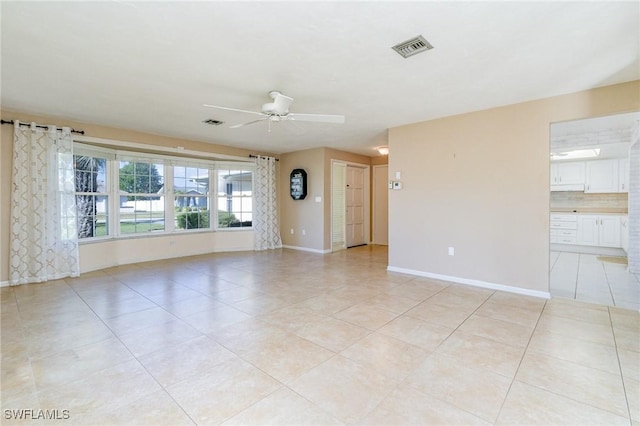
(598,230)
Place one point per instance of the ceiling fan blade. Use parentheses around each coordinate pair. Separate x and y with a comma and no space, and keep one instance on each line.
(247,123)
(281,103)
(232,109)
(319,118)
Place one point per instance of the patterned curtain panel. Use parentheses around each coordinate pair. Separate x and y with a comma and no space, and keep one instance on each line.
(265,217)
(44,242)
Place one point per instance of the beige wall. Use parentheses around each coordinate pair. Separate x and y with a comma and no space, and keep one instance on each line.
(304,214)
(103,254)
(479,182)
(309,215)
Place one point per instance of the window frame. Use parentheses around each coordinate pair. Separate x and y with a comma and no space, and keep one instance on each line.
(113,158)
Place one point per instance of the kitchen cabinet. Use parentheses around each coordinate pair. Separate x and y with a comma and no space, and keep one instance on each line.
(624,232)
(563,228)
(623,175)
(571,173)
(602,176)
(598,230)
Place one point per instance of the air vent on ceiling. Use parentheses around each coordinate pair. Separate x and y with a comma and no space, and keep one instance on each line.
(213,122)
(412,47)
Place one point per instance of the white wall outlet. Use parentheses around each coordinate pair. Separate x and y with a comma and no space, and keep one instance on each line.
(304,232)
(390,184)
(318,199)
(452,251)
(291,231)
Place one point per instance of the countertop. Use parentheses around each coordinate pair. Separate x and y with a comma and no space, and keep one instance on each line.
(590,210)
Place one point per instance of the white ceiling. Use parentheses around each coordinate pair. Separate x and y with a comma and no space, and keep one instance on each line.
(150,66)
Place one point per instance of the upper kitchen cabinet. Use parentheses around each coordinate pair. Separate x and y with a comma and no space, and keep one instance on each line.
(602,176)
(568,176)
(623,175)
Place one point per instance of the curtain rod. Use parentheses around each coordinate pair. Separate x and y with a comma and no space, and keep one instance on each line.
(258,156)
(80,132)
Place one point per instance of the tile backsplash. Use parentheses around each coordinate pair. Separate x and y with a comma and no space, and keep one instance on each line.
(580,200)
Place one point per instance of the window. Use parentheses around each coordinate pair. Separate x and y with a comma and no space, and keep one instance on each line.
(92,198)
(235,196)
(191,195)
(123,194)
(141,196)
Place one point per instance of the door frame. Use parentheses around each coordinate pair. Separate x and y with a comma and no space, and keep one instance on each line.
(374,218)
(367,197)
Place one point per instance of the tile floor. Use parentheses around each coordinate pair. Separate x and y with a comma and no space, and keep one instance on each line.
(286,337)
(583,277)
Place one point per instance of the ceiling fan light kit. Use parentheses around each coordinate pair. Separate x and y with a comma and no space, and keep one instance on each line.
(278,110)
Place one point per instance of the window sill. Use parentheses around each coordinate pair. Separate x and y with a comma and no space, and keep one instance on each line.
(96,240)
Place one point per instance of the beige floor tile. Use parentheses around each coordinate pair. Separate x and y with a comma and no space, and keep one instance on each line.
(292,318)
(288,357)
(525,317)
(109,307)
(21,411)
(417,332)
(222,392)
(261,305)
(328,304)
(177,363)
(112,387)
(498,330)
(74,364)
(248,336)
(210,321)
(627,339)
(583,352)
(394,303)
(479,352)
(587,385)
(625,318)
(443,315)
(369,317)
(392,357)
(157,408)
(576,310)
(159,336)
(283,407)
(632,388)
(534,304)
(235,295)
(417,290)
(406,406)
(529,405)
(345,389)
(474,390)
(629,363)
(40,344)
(127,323)
(597,333)
(332,333)
(184,308)
(16,378)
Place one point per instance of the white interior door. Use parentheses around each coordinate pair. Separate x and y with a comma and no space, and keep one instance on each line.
(381,204)
(355,206)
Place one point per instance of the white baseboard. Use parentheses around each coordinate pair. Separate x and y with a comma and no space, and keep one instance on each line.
(475,283)
(307,249)
(4,283)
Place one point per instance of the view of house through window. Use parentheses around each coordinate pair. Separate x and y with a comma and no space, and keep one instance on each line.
(136,195)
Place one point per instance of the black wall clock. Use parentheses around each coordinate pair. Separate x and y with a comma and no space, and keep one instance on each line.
(298,180)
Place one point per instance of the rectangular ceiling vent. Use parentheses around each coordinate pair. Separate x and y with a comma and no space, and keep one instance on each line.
(213,122)
(412,47)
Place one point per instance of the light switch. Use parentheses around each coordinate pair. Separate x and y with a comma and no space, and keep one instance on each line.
(398,175)
(318,199)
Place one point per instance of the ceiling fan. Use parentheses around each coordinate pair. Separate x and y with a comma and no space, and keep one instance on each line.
(278,110)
